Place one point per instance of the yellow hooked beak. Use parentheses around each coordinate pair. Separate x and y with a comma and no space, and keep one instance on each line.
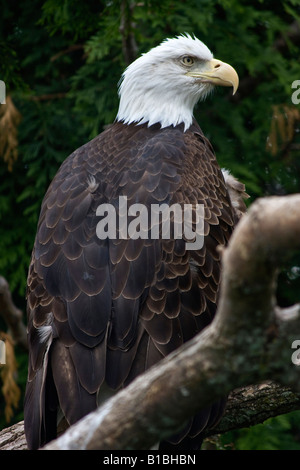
(217,72)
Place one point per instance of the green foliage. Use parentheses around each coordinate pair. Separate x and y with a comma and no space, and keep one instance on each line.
(279,433)
(62,60)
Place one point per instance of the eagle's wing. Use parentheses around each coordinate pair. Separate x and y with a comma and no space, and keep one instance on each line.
(104,310)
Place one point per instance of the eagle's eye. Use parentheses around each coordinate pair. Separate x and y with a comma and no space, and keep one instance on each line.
(187,60)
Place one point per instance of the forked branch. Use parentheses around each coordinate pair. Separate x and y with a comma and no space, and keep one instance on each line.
(248,342)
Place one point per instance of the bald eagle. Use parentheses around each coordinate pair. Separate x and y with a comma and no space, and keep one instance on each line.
(101,310)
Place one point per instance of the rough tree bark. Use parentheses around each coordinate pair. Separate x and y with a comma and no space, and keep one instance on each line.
(249,342)
(246,407)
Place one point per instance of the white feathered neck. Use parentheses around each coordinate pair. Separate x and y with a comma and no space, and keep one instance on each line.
(154,88)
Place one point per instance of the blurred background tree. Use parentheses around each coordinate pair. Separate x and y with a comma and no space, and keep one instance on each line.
(61,61)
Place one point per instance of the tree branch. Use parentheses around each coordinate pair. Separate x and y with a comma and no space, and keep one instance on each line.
(71,48)
(13,438)
(249,342)
(246,407)
(246,343)
(48,96)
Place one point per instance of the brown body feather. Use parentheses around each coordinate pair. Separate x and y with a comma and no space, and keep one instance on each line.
(103,311)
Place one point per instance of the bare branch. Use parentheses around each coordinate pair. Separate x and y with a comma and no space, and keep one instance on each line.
(249,342)
(13,438)
(246,343)
(48,96)
(246,407)
(71,48)
(254,404)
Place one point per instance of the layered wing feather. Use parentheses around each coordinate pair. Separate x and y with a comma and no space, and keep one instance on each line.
(104,310)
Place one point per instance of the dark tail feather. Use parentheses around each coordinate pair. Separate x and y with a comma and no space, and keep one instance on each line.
(39,421)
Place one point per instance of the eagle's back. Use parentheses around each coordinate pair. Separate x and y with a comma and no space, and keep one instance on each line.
(104,310)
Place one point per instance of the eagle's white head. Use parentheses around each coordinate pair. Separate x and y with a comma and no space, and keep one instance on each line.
(163,85)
